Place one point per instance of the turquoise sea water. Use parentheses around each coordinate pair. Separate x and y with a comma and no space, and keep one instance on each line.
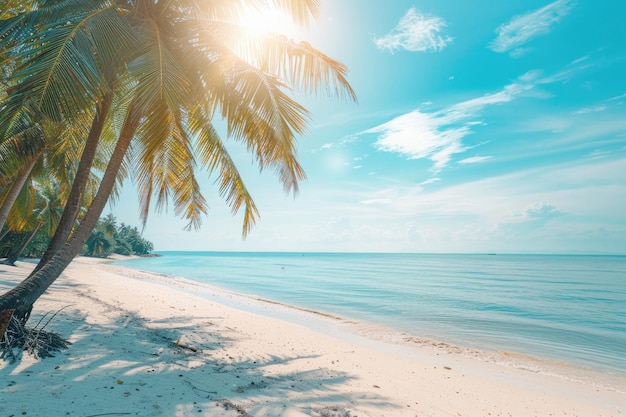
(564,308)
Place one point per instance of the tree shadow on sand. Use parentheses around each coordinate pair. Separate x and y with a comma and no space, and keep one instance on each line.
(177,366)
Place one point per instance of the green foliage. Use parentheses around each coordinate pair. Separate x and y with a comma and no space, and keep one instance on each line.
(130,238)
(34,249)
(99,243)
(107,238)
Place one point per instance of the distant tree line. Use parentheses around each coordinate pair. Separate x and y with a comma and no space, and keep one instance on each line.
(107,238)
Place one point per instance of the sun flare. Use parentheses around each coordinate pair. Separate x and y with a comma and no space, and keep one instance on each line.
(267,21)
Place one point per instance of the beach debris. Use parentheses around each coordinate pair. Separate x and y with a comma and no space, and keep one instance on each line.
(332,411)
(36,341)
(228,405)
(185,346)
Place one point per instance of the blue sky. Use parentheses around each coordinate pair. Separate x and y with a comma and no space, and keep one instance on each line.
(481,127)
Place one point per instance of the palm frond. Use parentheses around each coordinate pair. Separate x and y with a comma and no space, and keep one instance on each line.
(22,139)
(259,112)
(215,157)
(298,64)
(166,167)
(159,74)
(64,64)
(21,213)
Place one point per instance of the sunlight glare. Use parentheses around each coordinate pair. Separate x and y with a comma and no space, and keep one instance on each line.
(268,21)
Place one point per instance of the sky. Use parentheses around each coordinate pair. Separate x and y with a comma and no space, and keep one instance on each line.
(480,127)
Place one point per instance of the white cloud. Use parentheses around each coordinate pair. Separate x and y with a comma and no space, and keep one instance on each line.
(416,32)
(474,159)
(438,136)
(542,211)
(418,135)
(523,28)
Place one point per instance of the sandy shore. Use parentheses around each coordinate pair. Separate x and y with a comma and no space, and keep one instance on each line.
(149,345)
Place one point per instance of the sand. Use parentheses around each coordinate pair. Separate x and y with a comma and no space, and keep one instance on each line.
(150,345)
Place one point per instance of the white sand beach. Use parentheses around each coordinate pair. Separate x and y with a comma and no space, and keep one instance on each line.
(148,345)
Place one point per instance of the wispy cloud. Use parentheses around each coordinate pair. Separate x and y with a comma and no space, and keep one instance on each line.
(600,154)
(571,70)
(593,109)
(620,97)
(430,181)
(537,209)
(557,202)
(523,28)
(438,136)
(575,187)
(475,159)
(416,32)
(342,142)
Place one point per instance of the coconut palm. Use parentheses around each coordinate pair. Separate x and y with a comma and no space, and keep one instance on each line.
(22,142)
(34,148)
(23,220)
(172,67)
(40,209)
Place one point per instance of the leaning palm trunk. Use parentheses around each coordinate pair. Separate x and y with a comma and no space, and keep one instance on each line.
(75,198)
(11,196)
(22,298)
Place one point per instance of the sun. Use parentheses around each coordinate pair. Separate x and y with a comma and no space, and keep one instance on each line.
(267,21)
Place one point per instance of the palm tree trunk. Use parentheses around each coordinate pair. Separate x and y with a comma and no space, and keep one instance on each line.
(23,296)
(11,196)
(75,198)
(10,260)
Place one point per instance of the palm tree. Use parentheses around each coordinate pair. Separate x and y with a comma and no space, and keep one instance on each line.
(169,69)
(99,243)
(39,208)
(31,143)
(22,142)
(23,220)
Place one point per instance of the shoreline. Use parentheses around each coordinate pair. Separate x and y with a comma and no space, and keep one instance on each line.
(350,328)
(135,327)
(528,306)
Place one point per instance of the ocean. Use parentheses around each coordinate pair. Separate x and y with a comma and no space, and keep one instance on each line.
(568,308)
